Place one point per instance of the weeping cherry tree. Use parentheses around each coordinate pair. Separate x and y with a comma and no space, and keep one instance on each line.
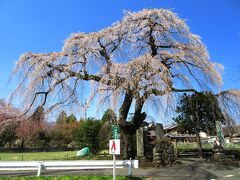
(147,56)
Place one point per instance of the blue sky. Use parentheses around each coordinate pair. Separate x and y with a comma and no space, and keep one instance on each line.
(42,26)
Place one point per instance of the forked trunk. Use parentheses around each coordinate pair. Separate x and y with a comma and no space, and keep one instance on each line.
(128,128)
(128,144)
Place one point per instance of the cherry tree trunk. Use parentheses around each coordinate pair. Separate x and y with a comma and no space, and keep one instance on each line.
(128,145)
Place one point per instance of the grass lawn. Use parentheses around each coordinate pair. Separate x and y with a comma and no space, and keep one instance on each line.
(41,156)
(84,177)
(206,146)
(232,147)
(31,156)
(192,146)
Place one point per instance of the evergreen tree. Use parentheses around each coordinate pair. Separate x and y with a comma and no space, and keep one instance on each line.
(199,112)
(38,114)
(205,106)
(105,134)
(8,134)
(109,116)
(62,118)
(87,134)
(71,118)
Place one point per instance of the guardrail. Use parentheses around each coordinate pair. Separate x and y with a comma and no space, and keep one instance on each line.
(39,166)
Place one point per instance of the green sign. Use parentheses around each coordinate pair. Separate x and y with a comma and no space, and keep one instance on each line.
(115,131)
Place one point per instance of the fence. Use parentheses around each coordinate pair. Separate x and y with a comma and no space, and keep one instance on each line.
(40,166)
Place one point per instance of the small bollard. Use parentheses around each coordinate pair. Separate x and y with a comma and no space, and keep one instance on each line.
(40,168)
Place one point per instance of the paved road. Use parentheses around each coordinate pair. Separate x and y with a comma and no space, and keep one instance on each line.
(184,169)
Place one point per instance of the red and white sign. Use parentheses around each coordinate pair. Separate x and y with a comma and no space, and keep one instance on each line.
(114,146)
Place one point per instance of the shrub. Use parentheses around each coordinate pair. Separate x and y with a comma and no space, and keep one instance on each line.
(87,134)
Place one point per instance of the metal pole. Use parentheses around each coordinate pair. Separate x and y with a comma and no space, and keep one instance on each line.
(130,168)
(39,169)
(114,167)
(85,111)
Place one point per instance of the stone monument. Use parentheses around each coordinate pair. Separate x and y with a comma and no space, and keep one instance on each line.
(159,131)
(140,143)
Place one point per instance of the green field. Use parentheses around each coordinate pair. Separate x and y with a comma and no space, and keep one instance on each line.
(192,146)
(230,149)
(41,156)
(10,156)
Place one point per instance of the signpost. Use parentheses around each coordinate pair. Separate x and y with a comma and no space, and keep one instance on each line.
(115,131)
(114,147)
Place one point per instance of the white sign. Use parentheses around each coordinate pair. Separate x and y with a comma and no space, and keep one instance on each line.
(114,146)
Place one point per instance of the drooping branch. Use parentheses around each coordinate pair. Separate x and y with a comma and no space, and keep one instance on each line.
(144,55)
(229,101)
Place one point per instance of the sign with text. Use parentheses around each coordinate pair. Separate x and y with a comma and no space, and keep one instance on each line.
(115,131)
(114,146)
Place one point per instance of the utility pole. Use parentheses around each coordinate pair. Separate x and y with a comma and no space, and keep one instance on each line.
(85,109)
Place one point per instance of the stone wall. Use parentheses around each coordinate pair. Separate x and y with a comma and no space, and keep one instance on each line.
(153,147)
(163,153)
(146,138)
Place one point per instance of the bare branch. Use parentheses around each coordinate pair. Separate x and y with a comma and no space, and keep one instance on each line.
(140,58)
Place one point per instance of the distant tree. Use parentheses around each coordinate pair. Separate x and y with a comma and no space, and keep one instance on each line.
(29,132)
(32,131)
(61,134)
(10,118)
(38,114)
(109,116)
(40,139)
(8,134)
(71,119)
(198,112)
(62,118)
(87,134)
(68,130)
(9,114)
(104,135)
(208,112)
(57,138)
